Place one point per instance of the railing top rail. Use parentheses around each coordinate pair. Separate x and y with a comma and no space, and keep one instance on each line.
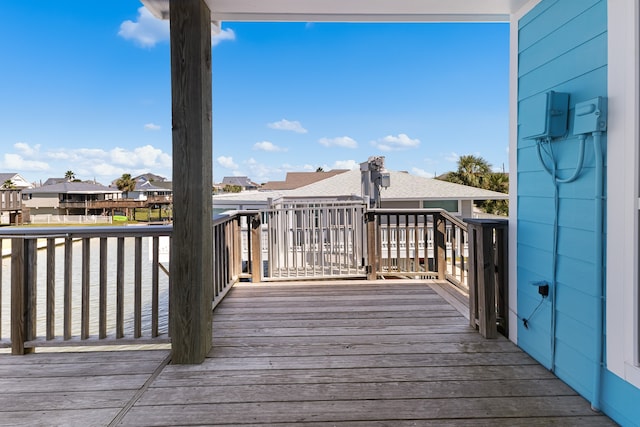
(487,221)
(419,211)
(105,231)
(230,215)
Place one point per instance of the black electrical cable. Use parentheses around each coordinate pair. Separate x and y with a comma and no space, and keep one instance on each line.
(525,320)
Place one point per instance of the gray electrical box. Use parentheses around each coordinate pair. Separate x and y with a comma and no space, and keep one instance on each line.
(544,115)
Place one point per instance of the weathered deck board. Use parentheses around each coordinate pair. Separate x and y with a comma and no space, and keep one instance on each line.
(352,353)
(331,411)
(67,389)
(386,353)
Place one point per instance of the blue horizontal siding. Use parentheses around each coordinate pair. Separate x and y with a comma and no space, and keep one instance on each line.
(576,335)
(583,298)
(535,266)
(620,400)
(562,47)
(579,373)
(581,60)
(565,38)
(578,274)
(536,234)
(534,208)
(547,18)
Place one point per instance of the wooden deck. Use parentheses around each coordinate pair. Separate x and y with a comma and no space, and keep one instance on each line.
(325,353)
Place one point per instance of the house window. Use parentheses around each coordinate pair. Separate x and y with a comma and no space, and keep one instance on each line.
(447,205)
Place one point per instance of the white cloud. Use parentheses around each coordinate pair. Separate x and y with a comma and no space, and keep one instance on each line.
(341,141)
(150,156)
(421,172)
(26,150)
(346,164)
(16,162)
(267,146)
(152,126)
(394,143)
(105,169)
(218,37)
(227,162)
(87,163)
(452,157)
(284,124)
(147,31)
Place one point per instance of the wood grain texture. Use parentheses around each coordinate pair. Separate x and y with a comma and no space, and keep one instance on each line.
(309,367)
(336,354)
(192,239)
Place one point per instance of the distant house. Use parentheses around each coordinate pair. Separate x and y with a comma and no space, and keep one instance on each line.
(146,190)
(149,177)
(16,179)
(67,198)
(241,181)
(54,181)
(295,180)
(405,192)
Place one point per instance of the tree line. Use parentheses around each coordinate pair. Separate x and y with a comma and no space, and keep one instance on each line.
(476,172)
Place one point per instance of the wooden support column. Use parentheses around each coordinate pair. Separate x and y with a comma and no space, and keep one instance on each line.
(192,242)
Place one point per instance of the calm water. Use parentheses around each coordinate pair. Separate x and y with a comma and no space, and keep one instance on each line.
(94,291)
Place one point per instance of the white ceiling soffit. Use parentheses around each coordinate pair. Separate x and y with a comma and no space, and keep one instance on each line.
(353,10)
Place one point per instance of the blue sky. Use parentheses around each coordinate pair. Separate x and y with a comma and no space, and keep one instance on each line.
(85,86)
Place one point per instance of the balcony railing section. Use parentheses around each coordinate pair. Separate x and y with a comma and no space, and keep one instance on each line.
(85,286)
(66,286)
(70,286)
(315,241)
(417,243)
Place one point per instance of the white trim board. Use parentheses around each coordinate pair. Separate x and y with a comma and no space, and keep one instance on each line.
(622,304)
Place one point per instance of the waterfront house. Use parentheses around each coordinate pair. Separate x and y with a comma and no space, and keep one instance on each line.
(146,190)
(68,198)
(16,179)
(573,219)
(239,181)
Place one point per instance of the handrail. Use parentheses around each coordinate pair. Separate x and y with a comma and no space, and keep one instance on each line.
(101,285)
(78,232)
(417,242)
(104,285)
(488,276)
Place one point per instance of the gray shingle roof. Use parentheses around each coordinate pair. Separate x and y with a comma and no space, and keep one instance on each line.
(72,188)
(404,186)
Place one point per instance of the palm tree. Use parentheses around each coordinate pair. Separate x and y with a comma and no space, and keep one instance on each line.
(8,185)
(475,171)
(126,184)
(69,175)
(472,171)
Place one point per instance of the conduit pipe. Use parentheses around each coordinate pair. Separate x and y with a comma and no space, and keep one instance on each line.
(599,273)
(598,252)
(554,260)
